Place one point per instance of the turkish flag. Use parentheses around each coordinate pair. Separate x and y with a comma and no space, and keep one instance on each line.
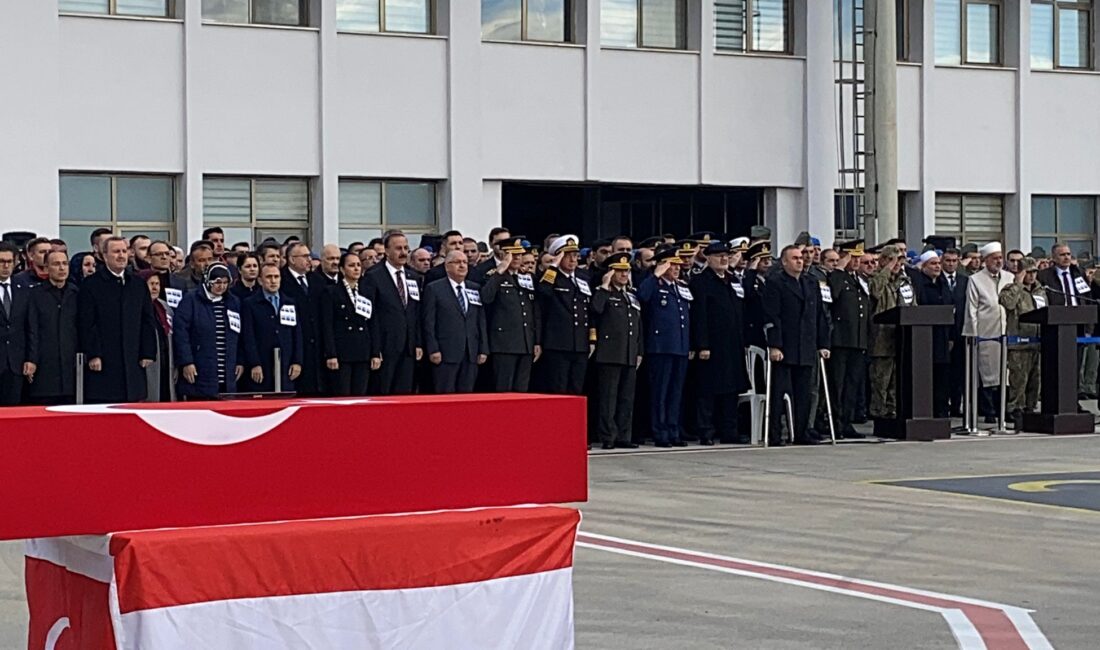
(68,610)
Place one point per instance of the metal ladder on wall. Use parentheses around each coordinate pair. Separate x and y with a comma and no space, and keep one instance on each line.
(852,136)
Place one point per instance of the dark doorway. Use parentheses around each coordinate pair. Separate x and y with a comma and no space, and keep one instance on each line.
(594,211)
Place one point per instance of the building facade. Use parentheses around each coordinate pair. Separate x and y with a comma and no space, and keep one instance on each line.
(337,119)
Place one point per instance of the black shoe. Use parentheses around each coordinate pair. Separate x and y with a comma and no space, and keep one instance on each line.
(662,444)
(626,445)
(706,443)
(807,441)
(853,435)
(679,443)
(607,445)
(860,418)
(989,419)
(777,442)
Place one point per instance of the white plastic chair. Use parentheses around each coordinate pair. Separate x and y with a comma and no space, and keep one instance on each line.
(754,356)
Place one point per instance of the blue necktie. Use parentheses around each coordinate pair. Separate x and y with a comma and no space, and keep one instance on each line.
(461,298)
(275,302)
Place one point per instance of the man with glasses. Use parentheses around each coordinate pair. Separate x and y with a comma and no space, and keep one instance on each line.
(306,294)
(160,261)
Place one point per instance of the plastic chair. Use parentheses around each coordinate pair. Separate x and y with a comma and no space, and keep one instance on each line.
(755,357)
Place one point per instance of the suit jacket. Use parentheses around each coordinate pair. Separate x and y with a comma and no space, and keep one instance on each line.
(958,299)
(1051,280)
(617,316)
(345,335)
(194,340)
(117,326)
(51,339)
(308,308)
(13,330)
(717,325)
(447,330)
(263,332)
(564,308)
(398,324)
(795,321)
(512,315)
(851,311)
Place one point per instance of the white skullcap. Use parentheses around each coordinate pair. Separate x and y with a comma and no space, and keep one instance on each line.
(927,255)
(989,249)
(565,243)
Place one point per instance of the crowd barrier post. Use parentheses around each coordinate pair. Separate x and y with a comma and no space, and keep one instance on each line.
(828,400)
(278,369)
(79,377)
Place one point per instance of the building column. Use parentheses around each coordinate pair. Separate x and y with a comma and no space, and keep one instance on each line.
(462,193)
(924,203)
(326,200)
(1017,208)
(189,214)
(821,164)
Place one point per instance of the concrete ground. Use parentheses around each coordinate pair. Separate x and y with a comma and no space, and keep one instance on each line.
(812,509)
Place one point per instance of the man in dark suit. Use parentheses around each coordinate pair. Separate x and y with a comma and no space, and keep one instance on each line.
(270,321)
(305,292)
(797,332)
(52,336)
(160,260)
(13,328)
(850,315)
(117,332)
(617,313)
(563,299)
(449,241)
(956,281)
(1066,284)
(397,309)
(718,339)
(496,237)
(513,320)
(35,272)
(328,274)
(455,335)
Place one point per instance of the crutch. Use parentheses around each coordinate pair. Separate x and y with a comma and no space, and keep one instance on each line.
(828,400)
(767,400)
(790,416)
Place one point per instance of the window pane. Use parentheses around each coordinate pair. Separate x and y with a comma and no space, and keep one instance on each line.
(150,233)
(982,33)
(1046,243)
(348,235)
(546,20)
(226,11)
(226,201)
(1042,36)
(901,18)
(77,236)
(1073,38)
(357,15)
(948,32)
(84,6)
(234,235)
(282,200)
(410,203)
(949,215)
(280,234)
(619,23)
(360,202)
(277,12)
(661,23)
(1042,215)
(408,16)
(144,198)
(142,7)
(86,198)
(500,19)
(1076,215)
(769,26)
(729,24)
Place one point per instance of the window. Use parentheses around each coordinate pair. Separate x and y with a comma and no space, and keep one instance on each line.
(1069,219)
(127,204)
(253,209)
(643,23)
(752,25)
(968,32)
(904,37)
(405,16)
(257,12)
(370,208)
(1061,34)
(977,218)
(153,8)
(526,20)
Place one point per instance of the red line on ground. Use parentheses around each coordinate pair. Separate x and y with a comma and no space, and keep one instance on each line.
(996,629)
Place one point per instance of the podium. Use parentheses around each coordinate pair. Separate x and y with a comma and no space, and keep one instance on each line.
(1058,327)
(915,419)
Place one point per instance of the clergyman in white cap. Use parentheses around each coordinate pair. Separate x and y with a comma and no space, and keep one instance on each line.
(985,319)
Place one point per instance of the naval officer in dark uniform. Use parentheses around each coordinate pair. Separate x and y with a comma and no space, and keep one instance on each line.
(563,297)
(617,316)
(513,319)
(666,316)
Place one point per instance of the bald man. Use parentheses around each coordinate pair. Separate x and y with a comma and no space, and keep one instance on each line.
(328,274)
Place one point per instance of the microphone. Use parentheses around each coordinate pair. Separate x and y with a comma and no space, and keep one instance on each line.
(1068,296)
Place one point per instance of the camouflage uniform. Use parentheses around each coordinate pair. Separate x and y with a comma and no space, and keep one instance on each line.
(1023,359)
(887,291)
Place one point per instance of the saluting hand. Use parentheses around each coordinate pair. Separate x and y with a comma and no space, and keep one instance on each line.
(505,262)
(606,282)
(662,268)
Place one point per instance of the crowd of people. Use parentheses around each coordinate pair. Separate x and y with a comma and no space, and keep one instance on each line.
(655,333)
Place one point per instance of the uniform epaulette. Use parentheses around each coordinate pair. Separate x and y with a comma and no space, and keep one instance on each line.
(549,276)
(593,335)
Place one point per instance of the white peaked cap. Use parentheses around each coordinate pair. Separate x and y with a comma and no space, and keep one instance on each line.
(989,249)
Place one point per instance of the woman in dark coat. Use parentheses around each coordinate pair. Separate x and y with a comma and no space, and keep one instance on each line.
(205,335)
(349,336)
(248,284)
(160,373)
(52,335)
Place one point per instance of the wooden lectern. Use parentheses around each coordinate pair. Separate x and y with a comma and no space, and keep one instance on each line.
(915,420)
(1058,327)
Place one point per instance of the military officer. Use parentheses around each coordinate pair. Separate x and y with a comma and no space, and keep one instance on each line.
(667,320)
(754,281)
(850,315)
(513,319)
(890,287)
(1023,295)
(617,326)
(563,297)
(701,241)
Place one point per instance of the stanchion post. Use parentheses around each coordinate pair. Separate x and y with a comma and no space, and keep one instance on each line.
(828,400)
(975,384)
(1002,426)
(278,370)
(79,377)
(790,415)
(767,401)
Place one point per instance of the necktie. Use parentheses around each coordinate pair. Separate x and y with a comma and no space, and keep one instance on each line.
(1069,289)
(951,283)
(401,290)
(274,302)
(302,281)
(461,298)
(5,297)
(122,281)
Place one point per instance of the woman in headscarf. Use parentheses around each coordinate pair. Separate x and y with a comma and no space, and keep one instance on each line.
(159,374)
(206,333)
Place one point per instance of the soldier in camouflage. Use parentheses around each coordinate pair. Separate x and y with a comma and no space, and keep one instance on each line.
(890,287)
(1024,295)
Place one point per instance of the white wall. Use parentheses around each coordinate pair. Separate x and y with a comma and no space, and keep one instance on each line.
(909,113)
(1061,133)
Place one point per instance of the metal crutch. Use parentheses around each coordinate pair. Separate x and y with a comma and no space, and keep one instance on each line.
(79,377)
(767,400)
(828,400)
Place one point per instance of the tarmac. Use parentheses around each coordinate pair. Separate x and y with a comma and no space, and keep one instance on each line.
(824,547)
